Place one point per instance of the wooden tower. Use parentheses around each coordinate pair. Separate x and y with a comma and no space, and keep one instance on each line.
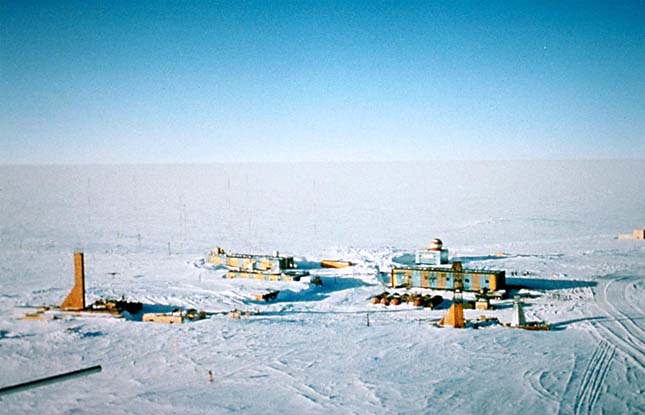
(455,315)
(75,300)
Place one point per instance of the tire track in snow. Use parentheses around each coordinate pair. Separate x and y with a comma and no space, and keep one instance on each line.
(301,389)
(593,377)
(534,380)
(568,385)
(632,293)
(601,378)
(628,286)
(621,330)
(615,299)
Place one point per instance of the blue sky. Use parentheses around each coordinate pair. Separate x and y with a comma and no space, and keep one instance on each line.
(128,82)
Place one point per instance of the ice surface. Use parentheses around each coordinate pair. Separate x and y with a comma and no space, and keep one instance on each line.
(145,228)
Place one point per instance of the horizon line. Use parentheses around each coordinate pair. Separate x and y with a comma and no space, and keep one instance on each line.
(184,163)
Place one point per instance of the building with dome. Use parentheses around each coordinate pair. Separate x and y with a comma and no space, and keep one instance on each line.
(435,254)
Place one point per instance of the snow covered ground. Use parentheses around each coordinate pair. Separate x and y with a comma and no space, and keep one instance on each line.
(144,230)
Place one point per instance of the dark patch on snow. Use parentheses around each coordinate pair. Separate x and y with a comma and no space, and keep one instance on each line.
(547,284)
(319,293)
(81,333)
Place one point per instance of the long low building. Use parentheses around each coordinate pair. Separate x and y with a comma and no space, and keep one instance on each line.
(274,263)
(443,278)
(267,276)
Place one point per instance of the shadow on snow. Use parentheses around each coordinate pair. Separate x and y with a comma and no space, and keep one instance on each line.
(329,286)
(547,284)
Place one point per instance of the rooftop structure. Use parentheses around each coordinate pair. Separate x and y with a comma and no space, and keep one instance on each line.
(432,255)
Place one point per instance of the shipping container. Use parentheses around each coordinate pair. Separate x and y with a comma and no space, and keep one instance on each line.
(334,263)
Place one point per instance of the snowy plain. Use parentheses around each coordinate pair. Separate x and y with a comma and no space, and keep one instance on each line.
(145,229)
